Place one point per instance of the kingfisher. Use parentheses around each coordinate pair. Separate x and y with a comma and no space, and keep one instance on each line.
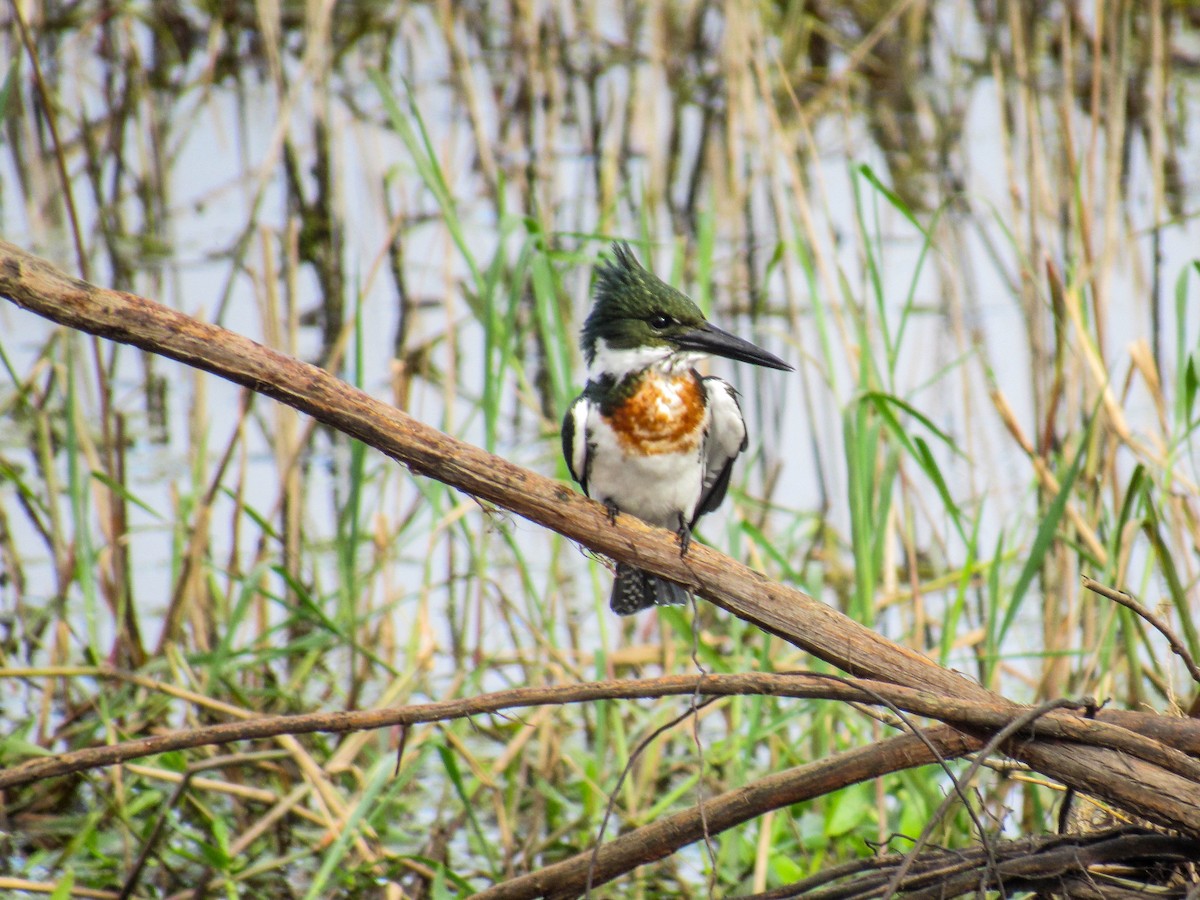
(650,436)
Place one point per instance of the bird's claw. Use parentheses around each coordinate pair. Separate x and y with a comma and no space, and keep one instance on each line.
(612,511)
(685,538)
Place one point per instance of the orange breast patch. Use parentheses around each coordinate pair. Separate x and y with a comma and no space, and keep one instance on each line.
(664,415)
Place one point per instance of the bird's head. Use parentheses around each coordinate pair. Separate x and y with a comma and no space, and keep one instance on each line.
(638,315)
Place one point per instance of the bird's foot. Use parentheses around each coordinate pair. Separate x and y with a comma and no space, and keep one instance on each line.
(685,537)
(612,511)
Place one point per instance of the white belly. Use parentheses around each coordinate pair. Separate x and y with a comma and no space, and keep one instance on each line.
(658,489)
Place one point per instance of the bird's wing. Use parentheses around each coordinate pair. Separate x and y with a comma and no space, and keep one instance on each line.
(726,438)
(575,440)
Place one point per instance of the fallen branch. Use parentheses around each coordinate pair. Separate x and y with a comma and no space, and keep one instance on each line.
(662,838)
(968,715)
(1025,864)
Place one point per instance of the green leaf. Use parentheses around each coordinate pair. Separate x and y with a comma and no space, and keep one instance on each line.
(123,492)
(451,765)
(892,197)
(1190,382)
(379,776)
(1045,534)
(930,467)
(882,401)
(6,91)
(63,890)
(785,870)
(851,807)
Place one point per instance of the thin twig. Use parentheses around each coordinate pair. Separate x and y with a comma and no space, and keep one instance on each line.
(612,798)
(51,118)
(1177,646)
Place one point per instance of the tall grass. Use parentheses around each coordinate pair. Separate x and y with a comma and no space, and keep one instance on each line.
(941,217)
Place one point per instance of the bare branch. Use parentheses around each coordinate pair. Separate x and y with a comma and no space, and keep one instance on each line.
(665,836)
(1057,864)
(1127,600)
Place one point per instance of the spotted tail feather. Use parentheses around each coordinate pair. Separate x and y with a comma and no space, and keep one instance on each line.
(635,590)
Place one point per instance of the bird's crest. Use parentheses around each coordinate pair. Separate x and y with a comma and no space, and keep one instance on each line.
(628,298)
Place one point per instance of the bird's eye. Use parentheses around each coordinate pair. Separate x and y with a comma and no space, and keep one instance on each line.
(660,320)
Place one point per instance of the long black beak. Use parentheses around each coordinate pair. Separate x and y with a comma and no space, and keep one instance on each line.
(711,339)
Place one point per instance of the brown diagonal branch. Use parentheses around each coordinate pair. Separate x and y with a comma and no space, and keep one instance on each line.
(32,283)
(36,285)
(663,837)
